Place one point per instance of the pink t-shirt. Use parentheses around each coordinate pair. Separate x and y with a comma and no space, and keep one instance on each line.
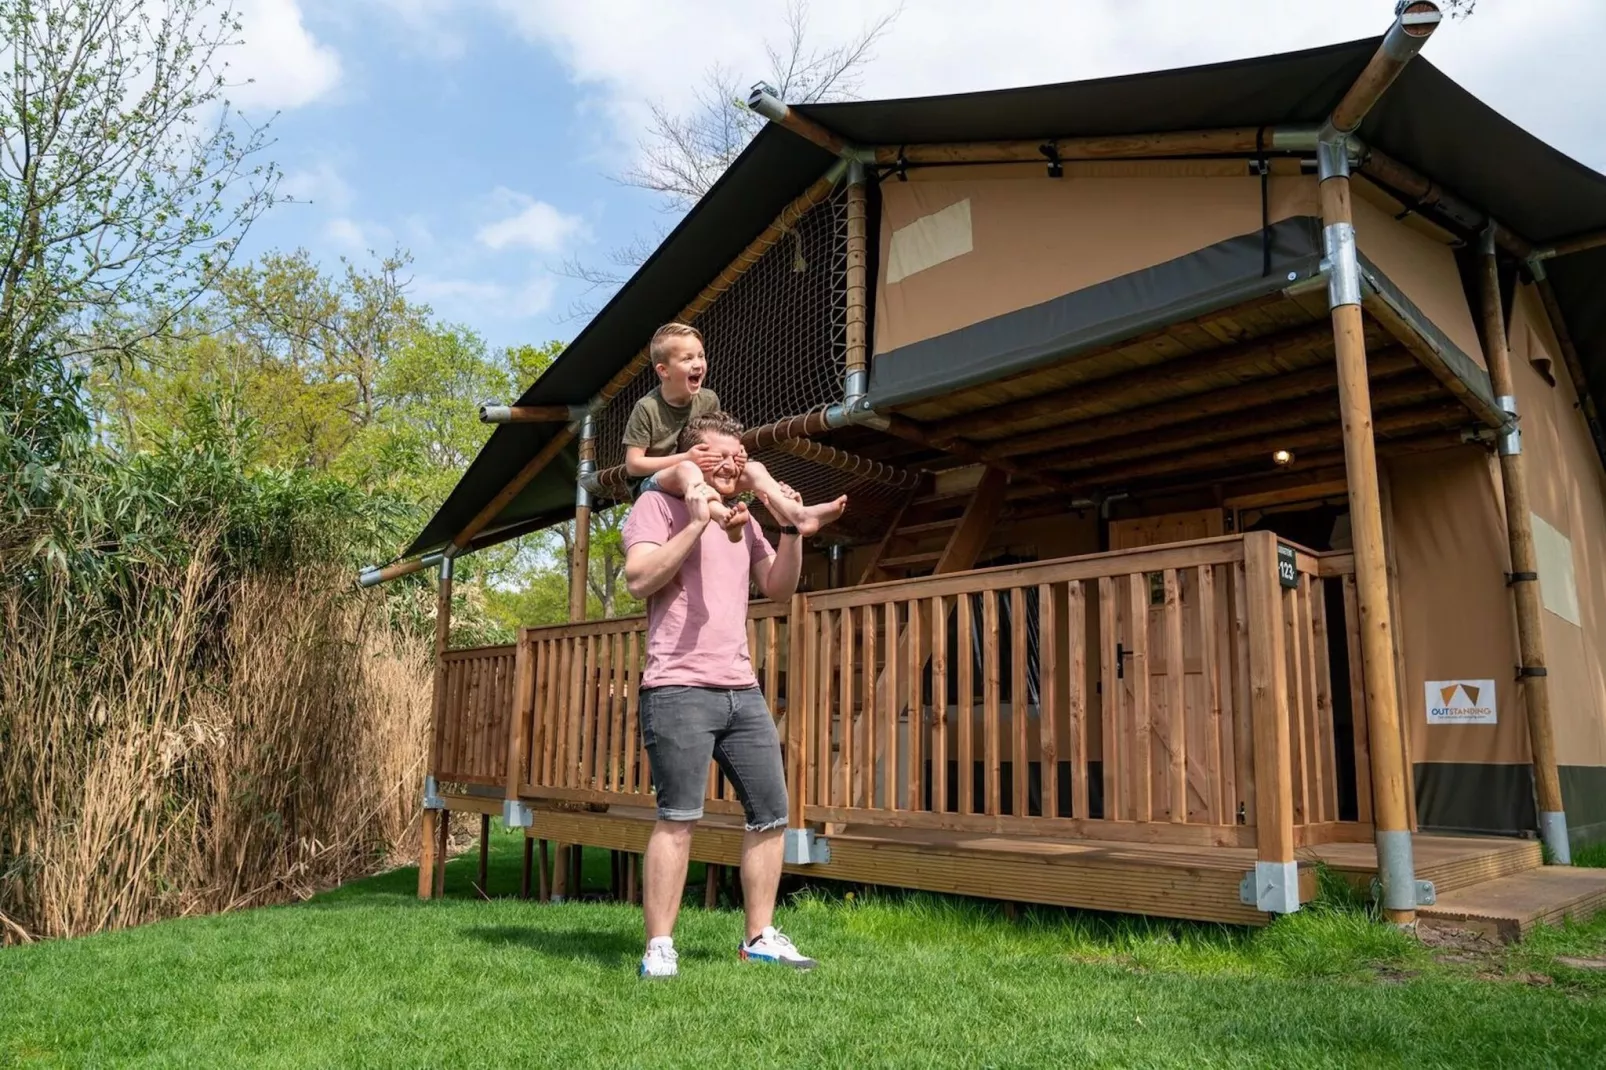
(697,622)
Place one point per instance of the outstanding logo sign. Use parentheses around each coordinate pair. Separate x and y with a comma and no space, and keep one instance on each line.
(1461,702)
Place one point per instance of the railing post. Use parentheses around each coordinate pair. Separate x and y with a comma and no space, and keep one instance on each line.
(432,832)
(515,814)
(1276,876)
(797,692)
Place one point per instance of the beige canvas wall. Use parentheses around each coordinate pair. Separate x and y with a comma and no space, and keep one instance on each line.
(1568,491)
(1456,618)
(1423,269)
(977,242)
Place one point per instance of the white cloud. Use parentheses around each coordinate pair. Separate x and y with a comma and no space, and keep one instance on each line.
(352,237)
(533,224)
(1533,65)
(428,27)
(280,63)
(477,300)
(321,184)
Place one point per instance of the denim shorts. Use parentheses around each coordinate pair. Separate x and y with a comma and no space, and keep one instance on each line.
(650,483)
(683,728)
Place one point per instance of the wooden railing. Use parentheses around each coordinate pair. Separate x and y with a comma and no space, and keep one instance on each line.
(1174,694)
(472,741)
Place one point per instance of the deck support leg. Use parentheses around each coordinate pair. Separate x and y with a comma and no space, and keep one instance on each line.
(711,876)
(1524,579)
(1396,870)
(633,879)
(485,854)
(577,873)
(443,834)
(543,875)
(432,863)
(560,872)
(525,869)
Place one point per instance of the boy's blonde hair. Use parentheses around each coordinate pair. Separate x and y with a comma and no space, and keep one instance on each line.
(657,348)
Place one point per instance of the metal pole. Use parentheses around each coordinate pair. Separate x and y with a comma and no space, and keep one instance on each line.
(431,857)
(1524,581)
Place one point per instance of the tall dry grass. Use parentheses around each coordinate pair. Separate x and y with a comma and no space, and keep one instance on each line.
(191,743)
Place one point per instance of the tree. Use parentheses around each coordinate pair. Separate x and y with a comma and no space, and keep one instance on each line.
(125,182)
(684,153)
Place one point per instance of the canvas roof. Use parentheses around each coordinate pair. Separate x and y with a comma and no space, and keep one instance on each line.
(1426,121)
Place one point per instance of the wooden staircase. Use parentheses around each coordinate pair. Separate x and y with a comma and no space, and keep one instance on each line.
(939,531)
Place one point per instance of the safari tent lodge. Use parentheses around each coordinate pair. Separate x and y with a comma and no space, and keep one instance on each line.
(1226,495)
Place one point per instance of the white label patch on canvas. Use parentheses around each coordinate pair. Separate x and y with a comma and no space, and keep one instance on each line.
(1461,702)
(929,241)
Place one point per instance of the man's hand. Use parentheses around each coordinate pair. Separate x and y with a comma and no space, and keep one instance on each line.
(705,457)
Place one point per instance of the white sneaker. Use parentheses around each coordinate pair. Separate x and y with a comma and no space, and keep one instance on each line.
(660,959)
(775,947)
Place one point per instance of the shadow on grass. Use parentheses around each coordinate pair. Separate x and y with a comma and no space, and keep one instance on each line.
(599,946)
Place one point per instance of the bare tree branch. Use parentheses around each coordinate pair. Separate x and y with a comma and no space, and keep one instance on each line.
(684,153)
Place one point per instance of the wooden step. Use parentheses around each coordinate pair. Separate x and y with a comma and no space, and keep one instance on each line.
(911,560)
(1450,862)
(926,528)
(1510,907)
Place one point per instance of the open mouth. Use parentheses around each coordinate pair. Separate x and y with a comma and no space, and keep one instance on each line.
(694,380)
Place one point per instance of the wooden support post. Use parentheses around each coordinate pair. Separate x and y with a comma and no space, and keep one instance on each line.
(711,877)
(1276,871)
(1524,581)
(1389,774)
(432,862)
(567,866)
(543,874)
(524,871)
(633,879)
(485,855)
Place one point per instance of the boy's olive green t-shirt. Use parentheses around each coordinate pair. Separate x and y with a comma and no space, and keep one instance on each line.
(655,424)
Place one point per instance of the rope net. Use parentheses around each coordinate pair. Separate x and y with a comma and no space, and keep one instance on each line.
(776,340)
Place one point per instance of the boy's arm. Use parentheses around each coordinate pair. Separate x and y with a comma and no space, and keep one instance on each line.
(639,465)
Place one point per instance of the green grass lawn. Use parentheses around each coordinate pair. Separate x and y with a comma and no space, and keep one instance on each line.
(368,976)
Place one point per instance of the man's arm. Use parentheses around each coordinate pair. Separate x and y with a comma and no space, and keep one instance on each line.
(777,576)
(648,565)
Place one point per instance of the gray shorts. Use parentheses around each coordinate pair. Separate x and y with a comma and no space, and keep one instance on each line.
(684,727)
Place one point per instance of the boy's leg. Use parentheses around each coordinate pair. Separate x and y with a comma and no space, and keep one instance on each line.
(684,479)
(788,510)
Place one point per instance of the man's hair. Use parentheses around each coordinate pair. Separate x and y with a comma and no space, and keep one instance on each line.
(657,349)
(698,428)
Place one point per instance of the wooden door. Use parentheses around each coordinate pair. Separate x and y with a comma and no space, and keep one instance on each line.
(1199,730)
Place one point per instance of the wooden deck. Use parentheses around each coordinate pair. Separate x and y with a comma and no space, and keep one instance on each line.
(1165,880)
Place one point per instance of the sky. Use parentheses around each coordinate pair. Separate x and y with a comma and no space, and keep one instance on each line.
(485,137)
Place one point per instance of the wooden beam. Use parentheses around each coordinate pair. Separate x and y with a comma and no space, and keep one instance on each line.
(1232,399)
(1258,358)
(1262,419)
(1524,582)
(1389,772)
(1241,140)
(1399,422)
(526,414)
(1578,243)
(1405,38)
(1572,361)
(905,428)
(431,852)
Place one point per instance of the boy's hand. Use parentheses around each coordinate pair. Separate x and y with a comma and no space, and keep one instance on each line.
(705,457)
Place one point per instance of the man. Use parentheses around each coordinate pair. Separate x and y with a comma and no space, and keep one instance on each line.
(699,697)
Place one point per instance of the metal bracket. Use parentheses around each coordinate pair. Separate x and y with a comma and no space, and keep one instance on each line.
(516,815)
(1514,578)
(1510,442)
(1341,265)
(1524,671)
(803,848)
(1426,894)
(432,793)
(1272,887)
(1052,151)
(1332,154)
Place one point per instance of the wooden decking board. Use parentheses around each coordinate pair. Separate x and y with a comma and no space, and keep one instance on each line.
(1511,906)
(1450,862)
(1165,882)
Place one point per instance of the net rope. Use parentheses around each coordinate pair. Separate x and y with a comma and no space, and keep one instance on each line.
(777,347)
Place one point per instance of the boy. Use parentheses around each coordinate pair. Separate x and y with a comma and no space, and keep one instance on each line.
(653,459)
